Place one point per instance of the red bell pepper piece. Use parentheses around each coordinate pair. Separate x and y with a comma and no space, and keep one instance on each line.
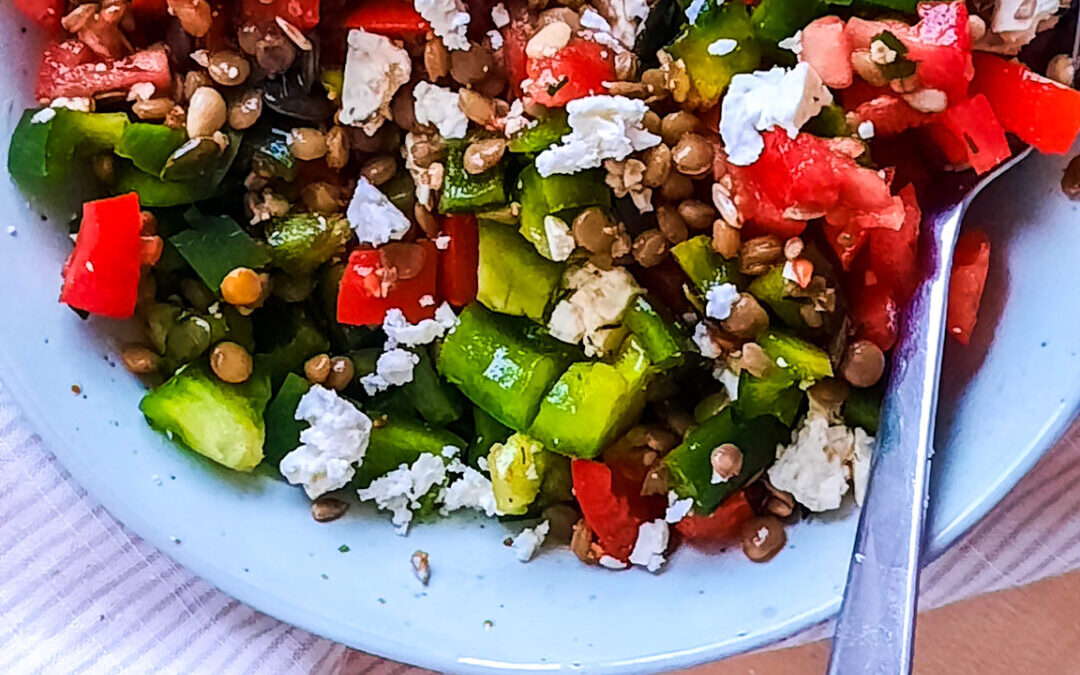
(724,525)
(67,71)
(45,14)
(393,18)
(1037,109)
(101,276)
(608,514)
(971,262)
(460,260)
(973,122)
(367,290)
(579,69)
(304,14)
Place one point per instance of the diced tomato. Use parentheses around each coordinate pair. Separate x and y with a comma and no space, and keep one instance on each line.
(394,18)
(799,178)
(890,115)
(304,14)
(971,262)
(950,148)
(45,14)
(102,274)
(875,314)
(722,526)
(150,249)
(827,48)
(846,242)
(515,37)
(607,513)
(973,122)
(1038,110)
(72,73)
(579,69)
(459,261)
(893,254)
(367,290)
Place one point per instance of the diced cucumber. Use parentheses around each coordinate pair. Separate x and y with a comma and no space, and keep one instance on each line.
(282,427)
(806,362)
(463,191)
(690,466)
(487,431)
(401,440)
(705,267)
(517,471)
(221,421)
(301,242)
(513,278)
(559,194)
(540,136)
(148,146)
(660,339)
(711,73)
(769,289)
(775,394)
(437,402)
(634,364)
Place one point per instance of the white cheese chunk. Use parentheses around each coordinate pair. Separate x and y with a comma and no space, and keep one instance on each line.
(499,16)
(719,300)
(400,490)
(393,369)
(336,439)
(472,490)
(529,540)
(560,243)
(677,509)
(651,544)
(439,107)
(449,20)
(400,332)
(374,70)
(597,300)
(601,127)
(373,216)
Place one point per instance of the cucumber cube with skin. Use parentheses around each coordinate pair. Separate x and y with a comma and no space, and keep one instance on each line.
(705,267)
(221,421)
(660,338)
(401,440)
(517,472)
(504,365)
(513,278)
(807,363)
(586,409)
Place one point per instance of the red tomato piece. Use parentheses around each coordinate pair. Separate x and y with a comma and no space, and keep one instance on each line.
(101,276)
(150,249)
(971,262)
(72,73)
(304,14)
(607,513)
(579,69)
(394,18)
(827,48)
(722,526)
(1037,109)
(44,13)
(875,314)
(366,291)
(890,115)
(893,254)
(515,63)
(950,148)
(973,122)
(460,260)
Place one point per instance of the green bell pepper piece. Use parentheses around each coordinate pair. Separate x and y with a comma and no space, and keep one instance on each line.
(148,146)
(401,440)
(517,471)
(487,431)
(705,267)
(401,191)
(660,338)
(300,242)
(437,402)
(689,464)
(769,289)
(774,20)
(301,340)
(153,191)
(776,394)
(546,132)
(863,408)
(807,363)
(512,277)
(463,191)
(215,246)
(558,194)
(282,427)
(586,409)
(710,73)
(221,421)
(829,123)
(503,364)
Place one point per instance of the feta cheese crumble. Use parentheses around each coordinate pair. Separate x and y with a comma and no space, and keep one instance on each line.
(374,70)
(449,20)
(612,563)
(393,369)
(719,300)
(677,509)
(499,16)
(763,99)
(560,243)
(722,47)
(439,106)
(495,39)
(336,439)
(730,381)
(428,179)
(472,490)
(821,459)
(651,544)
(400,490)
(400,332)
(597,301)
(626,17)
(865,130)
(44,115)
(704,342)
(792,44)
(529,540)
(516,120)
(601,127)
(373,216)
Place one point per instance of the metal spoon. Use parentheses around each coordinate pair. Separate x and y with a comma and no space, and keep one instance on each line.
(876,629)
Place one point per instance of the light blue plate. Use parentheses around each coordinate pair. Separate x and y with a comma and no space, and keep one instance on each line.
(1007,398)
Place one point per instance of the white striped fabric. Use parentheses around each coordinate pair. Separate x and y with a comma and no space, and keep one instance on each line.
(80,594)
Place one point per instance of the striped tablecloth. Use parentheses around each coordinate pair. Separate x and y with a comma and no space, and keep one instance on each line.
(81,594)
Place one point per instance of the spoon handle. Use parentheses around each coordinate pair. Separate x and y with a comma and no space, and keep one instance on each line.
(876,628)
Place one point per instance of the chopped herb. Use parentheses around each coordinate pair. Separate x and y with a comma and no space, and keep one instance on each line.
(554,88)
(344,548)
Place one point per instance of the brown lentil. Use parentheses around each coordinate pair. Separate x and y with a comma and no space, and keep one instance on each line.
(194,79)
(427,150)
(425,220)
(78,18)
(307,144)
(228,68)
(754,360)
(581,543)
(324,509)
(104,168)
(692,155)
(337,147)
(322,197)
(759,254)
(793,248)
(676,125)
(697,214)
(677,187)
(829,393)
(650,247)
(195,16)
(747,319)
(477,107)
(629,89)
(231,362)
(473,65)
(651,122)
(561,519)
(548,39)
(657,160)
(242,286)
(1061,69)
(1070,180)
(245,110)
(176,118)
(274,52)
(592,229)
(811,316)
(625,65)
(406,259)
(763,537)
(657,481)
(483,155)
(139,360)
(671,223)
(726,461)
(403,110)
(147,223)
(436,59)
(863,364)
(206,114)
(779,503)
(317,368)
(152,108)
(341,373)
(378,169)
(557,14)
(247,37)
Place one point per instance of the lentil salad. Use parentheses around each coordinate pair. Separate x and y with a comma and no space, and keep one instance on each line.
(626,272)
